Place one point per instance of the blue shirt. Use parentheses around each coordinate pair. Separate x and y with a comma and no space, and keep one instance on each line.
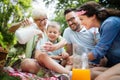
(109,43)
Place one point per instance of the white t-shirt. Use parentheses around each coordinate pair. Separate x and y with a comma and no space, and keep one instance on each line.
(85,38)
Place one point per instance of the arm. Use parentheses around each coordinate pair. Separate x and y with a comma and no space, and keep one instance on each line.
(52,47)
(113,73)
(69,49)
(56,57)
(96,36)
(68,46)
(109,30)
(61,44)
(14,27)
(91,56)
(95,33)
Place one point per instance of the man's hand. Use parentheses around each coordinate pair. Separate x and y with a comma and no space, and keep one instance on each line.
(70,60)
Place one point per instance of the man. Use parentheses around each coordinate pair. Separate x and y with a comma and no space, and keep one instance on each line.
(77,33)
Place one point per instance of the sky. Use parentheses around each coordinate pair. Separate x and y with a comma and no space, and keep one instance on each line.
(50,9)
(39,3)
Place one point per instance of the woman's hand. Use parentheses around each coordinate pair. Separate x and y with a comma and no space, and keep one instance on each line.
(26,22)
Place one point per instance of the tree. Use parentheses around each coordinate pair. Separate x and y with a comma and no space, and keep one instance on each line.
(111,3)
(62,5)
(11,11)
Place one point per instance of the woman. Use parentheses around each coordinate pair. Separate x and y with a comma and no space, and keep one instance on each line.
(40,19)
(93,14)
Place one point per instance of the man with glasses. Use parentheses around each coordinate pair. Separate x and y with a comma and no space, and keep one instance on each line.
(77,33)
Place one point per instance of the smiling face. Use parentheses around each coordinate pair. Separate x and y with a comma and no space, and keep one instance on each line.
(90,15)
(41,22)
(86,21)
(53,33)
(73,21)
(89,22)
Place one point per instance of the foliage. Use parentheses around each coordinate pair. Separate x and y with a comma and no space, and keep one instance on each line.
(62,21)
(11,11)
(61,6)
(13,58)
(111,3)
(5,76)
(64,4)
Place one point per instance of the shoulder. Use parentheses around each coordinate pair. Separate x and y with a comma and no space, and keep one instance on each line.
(110,24)
(68,29)
(113,19)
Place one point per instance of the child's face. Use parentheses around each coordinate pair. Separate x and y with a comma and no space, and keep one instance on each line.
(53,33)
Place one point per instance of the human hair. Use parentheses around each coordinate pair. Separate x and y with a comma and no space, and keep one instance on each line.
(54,24)
(38,12)
(94,8)
(68,10)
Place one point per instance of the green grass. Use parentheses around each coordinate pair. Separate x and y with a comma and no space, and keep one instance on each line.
(5,76)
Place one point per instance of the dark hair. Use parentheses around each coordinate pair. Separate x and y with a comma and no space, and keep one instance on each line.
(101,13)
(69,10)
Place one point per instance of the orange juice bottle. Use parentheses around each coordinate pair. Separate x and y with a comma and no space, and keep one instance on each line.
(80,69)
(82,73)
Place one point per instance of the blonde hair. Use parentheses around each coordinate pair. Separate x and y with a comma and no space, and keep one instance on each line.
(54,25)
(38,12)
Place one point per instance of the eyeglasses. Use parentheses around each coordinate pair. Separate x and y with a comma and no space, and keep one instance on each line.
(71,19)
(41,19)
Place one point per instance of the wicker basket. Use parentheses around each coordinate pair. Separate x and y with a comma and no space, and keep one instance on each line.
(3,54)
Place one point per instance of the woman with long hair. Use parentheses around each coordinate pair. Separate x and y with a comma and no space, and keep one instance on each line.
(93,14)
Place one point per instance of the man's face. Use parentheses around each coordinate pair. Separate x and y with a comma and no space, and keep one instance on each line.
(73,21)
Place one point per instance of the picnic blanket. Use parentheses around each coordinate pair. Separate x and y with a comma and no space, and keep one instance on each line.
(30,76)
(25,75)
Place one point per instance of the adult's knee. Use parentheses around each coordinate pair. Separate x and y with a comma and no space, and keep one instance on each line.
(41,56)
(30,65)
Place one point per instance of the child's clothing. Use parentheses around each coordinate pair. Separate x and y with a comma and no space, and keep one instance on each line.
(42,41)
